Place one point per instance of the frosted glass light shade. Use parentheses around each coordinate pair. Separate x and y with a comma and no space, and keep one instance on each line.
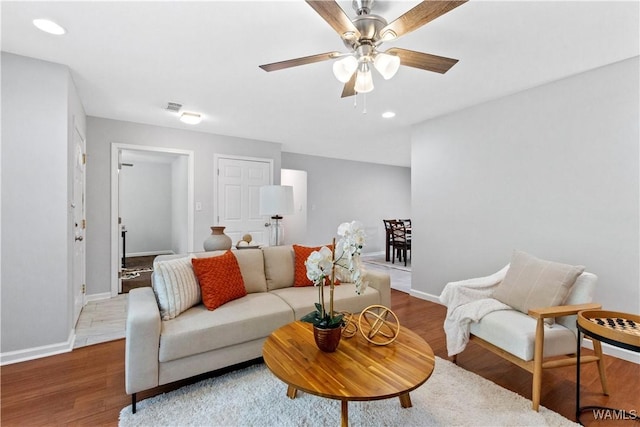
(344,68)
(364,80)
(276,200)
(387,65)
(190,118)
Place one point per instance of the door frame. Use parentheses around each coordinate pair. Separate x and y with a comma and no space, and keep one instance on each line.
(115,201)
(216,174)
(79,292)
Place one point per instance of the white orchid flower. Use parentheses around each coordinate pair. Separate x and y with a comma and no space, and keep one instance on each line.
(345,259)
(319,265)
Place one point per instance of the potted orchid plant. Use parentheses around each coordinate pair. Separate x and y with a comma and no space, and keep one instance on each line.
(341,262)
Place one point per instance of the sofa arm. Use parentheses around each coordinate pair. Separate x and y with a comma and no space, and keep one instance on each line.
(561,310)
(142,341)
(382,282)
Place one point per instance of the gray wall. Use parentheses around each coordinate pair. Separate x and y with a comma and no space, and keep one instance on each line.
(552,171)
(179,201)
(146,207)
(343,190)
(101,133)
(39,109)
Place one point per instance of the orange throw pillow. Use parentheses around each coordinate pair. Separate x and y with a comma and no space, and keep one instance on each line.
(220,279)
(301,253)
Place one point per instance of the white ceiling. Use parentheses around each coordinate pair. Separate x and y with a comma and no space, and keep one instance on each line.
(128,59)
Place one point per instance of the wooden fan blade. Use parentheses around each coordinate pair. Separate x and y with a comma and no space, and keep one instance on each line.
(423,13)
(331,12)
(349,87)
(424,61)
(299,61)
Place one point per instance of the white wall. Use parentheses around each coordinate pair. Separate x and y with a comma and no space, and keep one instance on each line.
(101,133)
(295,225)
(179,200)
(146,207)
(343,190)
(552,171)
(39,108)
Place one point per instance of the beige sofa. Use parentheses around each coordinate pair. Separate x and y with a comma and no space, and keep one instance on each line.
(199,340)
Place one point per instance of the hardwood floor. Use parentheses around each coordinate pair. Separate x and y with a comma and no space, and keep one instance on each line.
(86,386)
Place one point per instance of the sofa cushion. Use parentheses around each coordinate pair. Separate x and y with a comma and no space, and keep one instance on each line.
(199,330)
(278,266)
(303,300)
(505,328)
(533,283)
(220,279)
(251,265)
(175,286)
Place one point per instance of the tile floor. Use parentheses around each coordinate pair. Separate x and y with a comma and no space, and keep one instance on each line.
(104,320)
(101,321)
(400,277)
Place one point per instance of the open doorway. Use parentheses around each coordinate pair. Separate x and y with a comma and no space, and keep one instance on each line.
(152,210)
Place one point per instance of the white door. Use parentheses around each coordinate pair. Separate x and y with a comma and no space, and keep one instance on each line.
(238,197)
(79,225)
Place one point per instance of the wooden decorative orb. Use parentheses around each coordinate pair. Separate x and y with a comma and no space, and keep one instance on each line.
(350,327)
(383,325)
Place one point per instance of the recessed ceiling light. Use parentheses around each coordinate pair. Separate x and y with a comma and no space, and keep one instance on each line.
(388,114)
(190,118)
(49,26)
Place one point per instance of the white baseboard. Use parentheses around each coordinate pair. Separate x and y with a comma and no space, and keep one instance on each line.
(607,349)
(131,254)
(17,356)
(425,296)
(610,350)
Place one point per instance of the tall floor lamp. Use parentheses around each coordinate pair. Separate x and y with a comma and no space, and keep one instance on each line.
(276,200)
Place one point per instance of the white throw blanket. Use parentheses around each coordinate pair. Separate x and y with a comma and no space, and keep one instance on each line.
(468,301)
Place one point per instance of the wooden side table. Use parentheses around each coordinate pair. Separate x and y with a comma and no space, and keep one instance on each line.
(611,327)
(357,370)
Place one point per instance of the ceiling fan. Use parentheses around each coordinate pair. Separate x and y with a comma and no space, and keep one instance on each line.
(364,35)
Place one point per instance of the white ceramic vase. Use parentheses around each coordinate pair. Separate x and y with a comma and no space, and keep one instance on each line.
(217,241)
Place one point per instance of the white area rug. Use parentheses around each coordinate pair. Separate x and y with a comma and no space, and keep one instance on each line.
(255,397)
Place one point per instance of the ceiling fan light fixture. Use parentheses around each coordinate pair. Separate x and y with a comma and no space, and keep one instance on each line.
(349,35)
(364,79)
(387,65)
(190,118)
(388,35)
(344,68)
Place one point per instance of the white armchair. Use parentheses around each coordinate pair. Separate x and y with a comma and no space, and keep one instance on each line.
(527,340)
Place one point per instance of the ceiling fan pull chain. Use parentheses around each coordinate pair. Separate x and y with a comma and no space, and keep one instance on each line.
(355,101)
(364,103)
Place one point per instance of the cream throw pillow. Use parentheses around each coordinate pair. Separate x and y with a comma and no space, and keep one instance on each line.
(175,286)
(534,283)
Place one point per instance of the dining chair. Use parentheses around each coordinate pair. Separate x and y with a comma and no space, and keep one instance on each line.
(401,241)
(388,239)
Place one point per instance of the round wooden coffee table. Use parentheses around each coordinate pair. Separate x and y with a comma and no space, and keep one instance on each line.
(357,370)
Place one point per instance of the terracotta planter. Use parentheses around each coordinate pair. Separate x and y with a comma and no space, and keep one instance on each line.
(327,340)
(217,241)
